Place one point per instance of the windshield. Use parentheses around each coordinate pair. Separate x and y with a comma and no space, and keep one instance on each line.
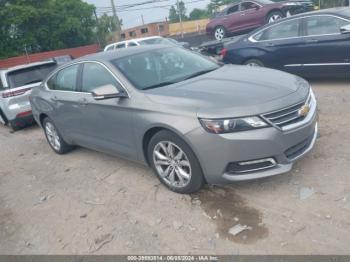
(162,67)
(154,41)
(29,75)
(346,12)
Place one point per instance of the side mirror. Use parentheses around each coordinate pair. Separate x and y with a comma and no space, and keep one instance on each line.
(106,92)
(345,29)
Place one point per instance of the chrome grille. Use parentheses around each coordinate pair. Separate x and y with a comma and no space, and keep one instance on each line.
(287,116)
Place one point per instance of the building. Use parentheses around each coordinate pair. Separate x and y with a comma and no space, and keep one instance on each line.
(151,29)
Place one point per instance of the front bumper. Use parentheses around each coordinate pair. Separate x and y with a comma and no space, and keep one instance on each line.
(217,152)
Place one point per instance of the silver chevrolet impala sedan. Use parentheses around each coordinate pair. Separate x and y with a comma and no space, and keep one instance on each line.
(190,119)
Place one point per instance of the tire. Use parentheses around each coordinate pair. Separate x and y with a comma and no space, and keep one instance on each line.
(273,16)
(254,63)
(180,173)
(15,128)
(219,33)
(54,138)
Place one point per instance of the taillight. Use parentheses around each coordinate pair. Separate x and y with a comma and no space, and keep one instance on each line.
(23,114)
(223,52)
(7,94)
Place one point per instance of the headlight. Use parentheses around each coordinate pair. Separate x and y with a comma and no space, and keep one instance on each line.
(221,126)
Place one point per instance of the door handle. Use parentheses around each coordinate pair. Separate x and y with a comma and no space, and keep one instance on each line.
(270,44)
(243,14)
(54,98)
(310,41)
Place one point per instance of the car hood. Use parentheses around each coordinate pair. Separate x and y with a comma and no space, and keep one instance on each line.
(233,91)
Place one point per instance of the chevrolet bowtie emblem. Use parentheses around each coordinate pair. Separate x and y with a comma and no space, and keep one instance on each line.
(304,110)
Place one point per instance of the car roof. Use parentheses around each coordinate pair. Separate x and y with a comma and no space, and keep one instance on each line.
(134,39)
(123,52)
(329,11)
(19,67)
(340,11)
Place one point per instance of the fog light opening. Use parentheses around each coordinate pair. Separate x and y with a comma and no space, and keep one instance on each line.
(251,166)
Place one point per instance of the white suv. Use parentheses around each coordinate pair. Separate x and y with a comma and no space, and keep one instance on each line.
(145,41)
(15,87)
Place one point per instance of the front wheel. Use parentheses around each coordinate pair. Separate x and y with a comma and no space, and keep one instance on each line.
(174,163)
(254,63)
(274,16)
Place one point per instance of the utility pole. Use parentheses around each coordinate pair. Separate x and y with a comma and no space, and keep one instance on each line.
(116,21)
(98,28)
(143,22)
(180,18)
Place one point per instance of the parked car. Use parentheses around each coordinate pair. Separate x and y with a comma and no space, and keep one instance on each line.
(190,119)
(248,15)
(311,45)
(152,40)
(15,86)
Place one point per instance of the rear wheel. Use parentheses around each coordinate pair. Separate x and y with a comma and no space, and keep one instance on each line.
(274,16)
(254,63)
(54,138)
(219,33)
(174,163)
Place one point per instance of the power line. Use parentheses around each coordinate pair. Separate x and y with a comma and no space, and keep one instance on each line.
(146,8)
(131,5)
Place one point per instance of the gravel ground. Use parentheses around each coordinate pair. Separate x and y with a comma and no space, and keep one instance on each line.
(87,202)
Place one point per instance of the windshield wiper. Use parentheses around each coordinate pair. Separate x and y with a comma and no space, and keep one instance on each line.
(159,85)
(200,73)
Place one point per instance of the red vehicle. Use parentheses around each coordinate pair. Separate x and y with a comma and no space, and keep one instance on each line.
(248,15)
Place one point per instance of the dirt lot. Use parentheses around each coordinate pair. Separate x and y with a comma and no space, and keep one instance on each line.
(88,202)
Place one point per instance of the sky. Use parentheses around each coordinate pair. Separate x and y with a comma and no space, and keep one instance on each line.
(133,18)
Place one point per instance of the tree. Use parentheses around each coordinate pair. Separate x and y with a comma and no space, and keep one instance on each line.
(106,28)
(173,16)
(177,10)
(198,14)
(44,25)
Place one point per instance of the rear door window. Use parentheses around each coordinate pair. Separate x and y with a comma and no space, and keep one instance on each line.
(323,25)
(122,45)
(65,79)
(232,9)
(131,44)
(284,30)
(248,6)
(29,75)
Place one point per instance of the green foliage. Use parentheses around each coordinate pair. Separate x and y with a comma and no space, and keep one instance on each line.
(214,5)
(106,28)
(198,14)
(44,25)
(175,11)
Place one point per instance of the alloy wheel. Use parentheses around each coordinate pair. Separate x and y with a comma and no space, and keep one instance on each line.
(219,33)
(172,164)
(274,18)
(253,64)
(52,136)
